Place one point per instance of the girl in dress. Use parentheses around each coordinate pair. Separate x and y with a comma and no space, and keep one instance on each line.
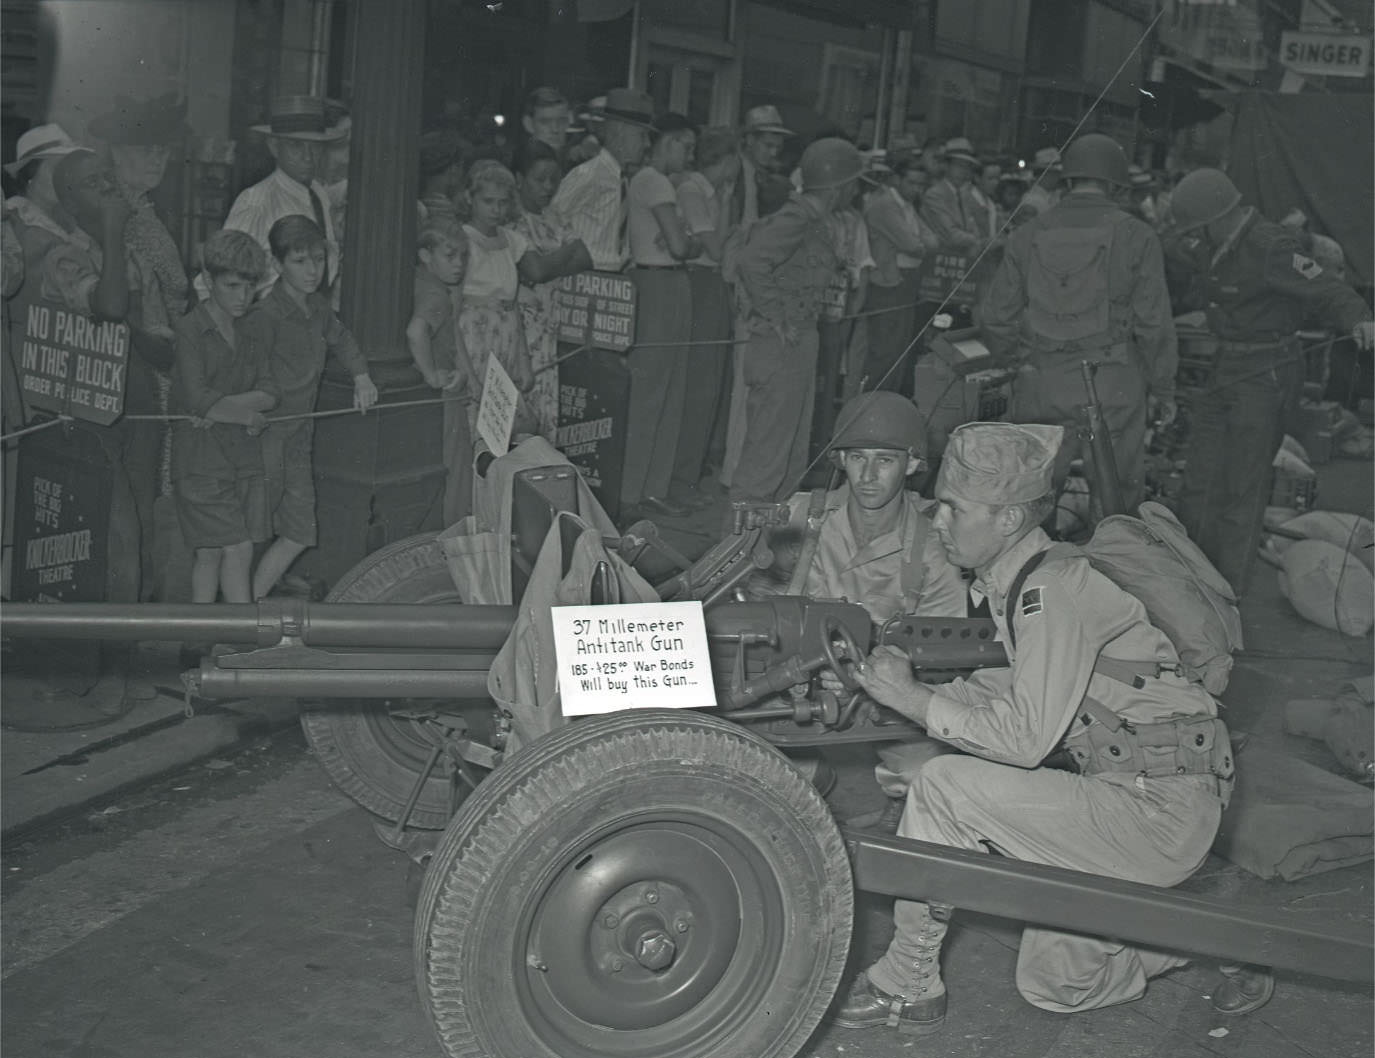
(537,178)
(498,259)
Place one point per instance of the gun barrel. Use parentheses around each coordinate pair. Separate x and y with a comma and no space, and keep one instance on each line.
(264,624)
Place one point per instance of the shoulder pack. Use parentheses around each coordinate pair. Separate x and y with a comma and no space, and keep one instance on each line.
(1067,284)
(1152,557)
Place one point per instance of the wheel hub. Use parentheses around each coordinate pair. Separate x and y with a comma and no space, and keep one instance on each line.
(639,923)
(639,930)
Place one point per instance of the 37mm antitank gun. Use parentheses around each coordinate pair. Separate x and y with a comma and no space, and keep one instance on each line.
(649,883)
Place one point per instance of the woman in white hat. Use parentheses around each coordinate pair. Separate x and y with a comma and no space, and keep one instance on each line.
(34,205)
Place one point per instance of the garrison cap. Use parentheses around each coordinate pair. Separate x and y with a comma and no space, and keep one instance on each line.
(999,463)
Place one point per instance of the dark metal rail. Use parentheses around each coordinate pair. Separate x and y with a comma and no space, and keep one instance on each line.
(1109,907)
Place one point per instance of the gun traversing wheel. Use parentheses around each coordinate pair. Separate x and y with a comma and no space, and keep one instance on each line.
(375,751)
(638,885)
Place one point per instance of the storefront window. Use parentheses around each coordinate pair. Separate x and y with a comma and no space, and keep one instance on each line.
(949,98)
(709,18)
(824,74)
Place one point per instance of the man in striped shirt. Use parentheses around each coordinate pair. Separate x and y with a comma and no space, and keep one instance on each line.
(591,198)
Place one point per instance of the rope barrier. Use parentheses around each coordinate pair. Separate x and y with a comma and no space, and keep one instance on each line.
(58,420)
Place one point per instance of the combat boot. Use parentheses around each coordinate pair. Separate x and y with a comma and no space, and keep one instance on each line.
(1242,989)
(914,959)
(885,820)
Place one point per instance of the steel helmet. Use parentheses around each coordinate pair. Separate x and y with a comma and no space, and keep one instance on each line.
(1202,197)
(880,419)
(829,163)
(1096,157)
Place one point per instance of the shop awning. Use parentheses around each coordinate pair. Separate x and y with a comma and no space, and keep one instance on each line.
(1312,151)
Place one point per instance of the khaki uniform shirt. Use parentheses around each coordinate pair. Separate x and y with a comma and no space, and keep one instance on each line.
(1260,284)
(784,266)
(875,575)
(1139,313)
(1067,615)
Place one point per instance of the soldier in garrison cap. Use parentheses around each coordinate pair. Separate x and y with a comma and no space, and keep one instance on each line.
(1140,802)
(1255,283)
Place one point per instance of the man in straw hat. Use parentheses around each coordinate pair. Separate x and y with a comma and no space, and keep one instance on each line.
(591,198)
(297,130)
(1148,761)
(761,140)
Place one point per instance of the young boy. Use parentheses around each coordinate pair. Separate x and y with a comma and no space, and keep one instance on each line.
(295,328)
(439,354)
(217,463)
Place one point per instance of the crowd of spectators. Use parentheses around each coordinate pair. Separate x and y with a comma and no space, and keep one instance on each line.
(767,293)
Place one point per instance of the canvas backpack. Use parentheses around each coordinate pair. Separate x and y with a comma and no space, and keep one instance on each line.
(1152,558)
(1067,285)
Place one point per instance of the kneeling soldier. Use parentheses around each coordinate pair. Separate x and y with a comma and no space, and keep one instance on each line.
(1151,765)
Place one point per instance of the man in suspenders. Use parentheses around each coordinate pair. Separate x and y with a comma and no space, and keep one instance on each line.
(870,541)
(873,543)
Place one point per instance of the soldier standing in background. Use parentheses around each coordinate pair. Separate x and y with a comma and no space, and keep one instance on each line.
(1255,284)
(784,266)
(1086,281)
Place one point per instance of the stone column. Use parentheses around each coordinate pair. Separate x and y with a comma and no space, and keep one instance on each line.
(379,477)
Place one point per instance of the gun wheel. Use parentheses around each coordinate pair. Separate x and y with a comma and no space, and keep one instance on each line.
(642,885)
(372,754)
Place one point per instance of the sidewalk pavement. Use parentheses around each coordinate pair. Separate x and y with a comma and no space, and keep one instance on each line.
(48,774)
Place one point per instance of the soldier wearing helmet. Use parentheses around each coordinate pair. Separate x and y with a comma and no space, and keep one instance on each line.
(871,543)
(1086,281)
(874,544)
(1255,283)
(782,271)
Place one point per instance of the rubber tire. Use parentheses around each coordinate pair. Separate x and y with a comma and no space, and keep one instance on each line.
(372,757)
(564,799)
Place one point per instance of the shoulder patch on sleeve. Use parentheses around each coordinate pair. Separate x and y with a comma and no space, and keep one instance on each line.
(1306,266)
(1031,602)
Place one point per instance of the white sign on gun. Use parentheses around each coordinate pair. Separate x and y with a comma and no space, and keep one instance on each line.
(632,656)
(497,412)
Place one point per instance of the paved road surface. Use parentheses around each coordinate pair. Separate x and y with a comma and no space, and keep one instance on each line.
(245,909)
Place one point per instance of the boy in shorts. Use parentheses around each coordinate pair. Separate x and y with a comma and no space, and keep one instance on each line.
(296,329)
(439,354)
(221,383)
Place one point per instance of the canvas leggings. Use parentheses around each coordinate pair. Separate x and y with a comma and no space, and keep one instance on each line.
(1155,831)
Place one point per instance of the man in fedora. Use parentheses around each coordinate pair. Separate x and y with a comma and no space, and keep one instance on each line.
(759,189)
(591,198)
(946,206)
(297,132)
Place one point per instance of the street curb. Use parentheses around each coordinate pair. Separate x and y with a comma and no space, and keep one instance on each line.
(44,798)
